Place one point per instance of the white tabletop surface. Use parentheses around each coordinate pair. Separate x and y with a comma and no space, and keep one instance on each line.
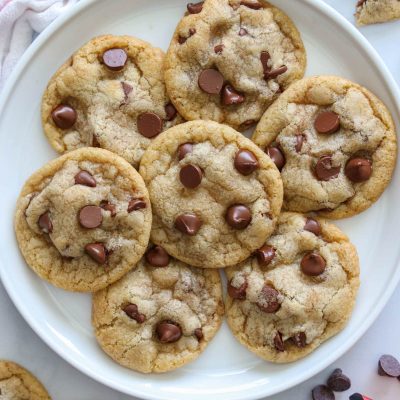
(19,343)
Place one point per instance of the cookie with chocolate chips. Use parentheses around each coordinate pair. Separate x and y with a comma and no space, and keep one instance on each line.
(159,316)
(229,59)
(335,144)
(83,220)
(296,291)
(109,94)
(375,11)
(215,195)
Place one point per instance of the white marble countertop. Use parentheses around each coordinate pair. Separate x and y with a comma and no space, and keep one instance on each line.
(19,343)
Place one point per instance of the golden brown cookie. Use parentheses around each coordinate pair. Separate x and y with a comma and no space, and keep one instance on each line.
(374,11)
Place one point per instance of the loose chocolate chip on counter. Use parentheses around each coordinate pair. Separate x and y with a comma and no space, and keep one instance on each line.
(131,310)
(268,300)
(338,382)
(358,169)
(168,332)
(238,216)
(90,217)
(170,112)
(211,81)
(198,332)
(136,204)
(183,149)
(64,116)
(274,73)
(97,252)
(245,162)
(324,170)
(231,96)
(278,342)
(157,257)
(45,223)
(188,223)
(195,8)
(358,396)
(237,293)
(327,122)
(312,226)
(255,5)
(276,156)
(299,143)
(105,205)
(149,124)
(322,392)
(313,264)
(191,176)
(243,32)
(219,48)
(388,366)
(85,178)
(299,339)
(127,90)
(115,59)
(265,255)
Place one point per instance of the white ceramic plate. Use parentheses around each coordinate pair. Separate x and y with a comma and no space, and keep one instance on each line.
(225,370)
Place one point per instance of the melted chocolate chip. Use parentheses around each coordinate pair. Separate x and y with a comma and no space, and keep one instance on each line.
(211,81)
(237,293)
(149,124)
(299,142)
(170,112)
(231,96)
(64,116)
(276,156)
(191,176)
(299,339)
(168,332)
(45,223)
(183,149)
(324,170)
(198,332)
(136,204)
(131,310)
(157,257)
(327,122)
(195,8)
(188,223)
(97,252)
(358,169)
(85,178)
(219,48)
(265,255)
(238,216)
(278,342)
(312,226)
(313,264)
(274,73)
(268,300)
(115,59)
(246,162)
(90,217)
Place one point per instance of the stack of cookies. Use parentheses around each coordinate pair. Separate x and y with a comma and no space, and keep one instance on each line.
(143,208)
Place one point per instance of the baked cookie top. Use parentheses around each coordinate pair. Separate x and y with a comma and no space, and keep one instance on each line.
(109,94)
(335,144)
(16,383)
(374,11)
(160,315)
(83,220)
(229,59)
(215,195)
(295,292)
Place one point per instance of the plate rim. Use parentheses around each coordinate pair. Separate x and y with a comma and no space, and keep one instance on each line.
(51,342)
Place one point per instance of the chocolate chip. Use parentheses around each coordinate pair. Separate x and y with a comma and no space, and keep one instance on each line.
(312,226)
(276,156)
(299,143)
(136,204)
(268,300)
(231,96)
(170,112)
(181,39)
(274,73)
(168,332)
(312,264)
(299,339)
(157,257)
(322,392)
(192,31)
(245,162)
(243,32)
(265,57)
(131,310)
(358,396)
(195,8)
(188,223)
(85,178)
(237,293)
(388,366)
(238,216)
(90,217)
(183,149)
(219,48)
(45,223)
(327,122)
(198,332)
(115,59)
(278,342)
(247,124)
(127,90)
(324,170)
(360,3)
(211,81)
(265,255)
(105,205)
(149,124)
(97,252)
(358,169)
(255,5)
(64,116)
(190,176)
(338,382)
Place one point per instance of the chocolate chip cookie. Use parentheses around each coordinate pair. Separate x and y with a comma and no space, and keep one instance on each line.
(229,59)
(83,220)
(159,316)
(374,11)
(109,94)
(335,144)
(215,195)
(295,292)
(16,383)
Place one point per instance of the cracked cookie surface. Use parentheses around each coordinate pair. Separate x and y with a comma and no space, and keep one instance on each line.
(83,220)
(16,383)
(229,59)
(159,316)
(109,94)
(335,143)
(297,291)
(375,11)
(215,195)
